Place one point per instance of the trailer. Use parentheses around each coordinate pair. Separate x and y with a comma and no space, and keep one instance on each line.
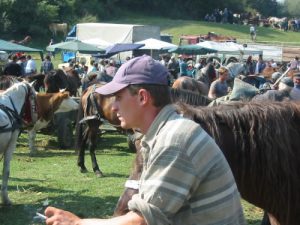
(111,33)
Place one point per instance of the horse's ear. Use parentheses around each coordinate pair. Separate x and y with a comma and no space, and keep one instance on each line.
(62,90)
(32,83)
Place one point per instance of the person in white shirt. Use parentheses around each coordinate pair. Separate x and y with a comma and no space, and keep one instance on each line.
(30,66)
(294,64)
(253,32)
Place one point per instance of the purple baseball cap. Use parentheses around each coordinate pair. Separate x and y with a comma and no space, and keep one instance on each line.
(140,70)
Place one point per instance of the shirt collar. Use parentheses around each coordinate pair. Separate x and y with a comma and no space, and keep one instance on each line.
(157,124)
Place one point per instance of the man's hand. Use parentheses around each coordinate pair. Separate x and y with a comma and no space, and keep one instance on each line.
(60,217)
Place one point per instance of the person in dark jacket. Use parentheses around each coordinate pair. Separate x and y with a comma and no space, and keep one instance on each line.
(13,68)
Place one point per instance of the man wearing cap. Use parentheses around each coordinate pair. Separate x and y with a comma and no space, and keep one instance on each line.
(185,179)
(295,92)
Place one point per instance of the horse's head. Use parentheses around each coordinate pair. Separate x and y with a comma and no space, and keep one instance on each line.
(30,115)
(55,80)
(236,68)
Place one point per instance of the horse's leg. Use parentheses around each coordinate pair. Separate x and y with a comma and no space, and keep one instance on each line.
(94,128)
(265,220)
(81,152)
(6,166)
(31,141)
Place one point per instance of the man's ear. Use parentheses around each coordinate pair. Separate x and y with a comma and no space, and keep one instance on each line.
(143,96)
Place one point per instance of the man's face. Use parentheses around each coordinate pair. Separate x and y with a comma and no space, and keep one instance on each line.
(127,108)
(297,81)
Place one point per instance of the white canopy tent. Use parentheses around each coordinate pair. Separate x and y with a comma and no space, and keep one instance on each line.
(154,44)
(230,48)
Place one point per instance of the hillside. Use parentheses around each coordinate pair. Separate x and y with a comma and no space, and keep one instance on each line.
(241,32)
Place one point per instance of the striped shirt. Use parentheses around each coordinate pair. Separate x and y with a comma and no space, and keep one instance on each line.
(186,179)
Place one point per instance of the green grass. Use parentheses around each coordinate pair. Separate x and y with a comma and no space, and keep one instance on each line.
(176,28)
(53,176)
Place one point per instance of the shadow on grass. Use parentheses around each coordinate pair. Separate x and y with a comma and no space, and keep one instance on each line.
(83,206)
(48,145)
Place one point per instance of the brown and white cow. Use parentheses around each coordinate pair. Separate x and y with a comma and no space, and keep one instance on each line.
(47,105)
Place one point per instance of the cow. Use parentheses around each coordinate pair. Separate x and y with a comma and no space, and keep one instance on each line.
(58,27)
(48,104)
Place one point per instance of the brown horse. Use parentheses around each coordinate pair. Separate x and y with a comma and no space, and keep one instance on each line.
(93,110)
(211,36)
(191,84)
(268,71)
(260,142)
(25,41)
(57,79)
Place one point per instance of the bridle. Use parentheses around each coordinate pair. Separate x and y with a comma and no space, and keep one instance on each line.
(15,118)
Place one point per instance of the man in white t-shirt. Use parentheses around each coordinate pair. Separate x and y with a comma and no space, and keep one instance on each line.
(30,66)
(253,32)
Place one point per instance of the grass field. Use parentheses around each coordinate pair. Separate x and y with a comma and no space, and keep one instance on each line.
(52,177)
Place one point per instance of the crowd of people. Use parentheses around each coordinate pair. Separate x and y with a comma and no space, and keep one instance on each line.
(220,16)
(21,65)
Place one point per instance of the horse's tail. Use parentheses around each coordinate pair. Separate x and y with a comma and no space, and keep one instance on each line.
(79,126)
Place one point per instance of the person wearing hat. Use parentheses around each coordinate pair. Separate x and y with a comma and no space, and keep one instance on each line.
(275,76)
(295,92)
(186,178)
(219,87)
(283,93)
(294,64)
(13,68)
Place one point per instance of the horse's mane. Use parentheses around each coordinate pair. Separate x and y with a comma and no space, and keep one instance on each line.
(265,148)
(188,97)
(7,81)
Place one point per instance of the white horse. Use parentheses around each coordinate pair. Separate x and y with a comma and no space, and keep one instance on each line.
(236,68)
(17,108)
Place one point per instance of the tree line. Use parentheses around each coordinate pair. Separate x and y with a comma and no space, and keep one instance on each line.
(28,17)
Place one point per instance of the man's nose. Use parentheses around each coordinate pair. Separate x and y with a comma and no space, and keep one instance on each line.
(114,107)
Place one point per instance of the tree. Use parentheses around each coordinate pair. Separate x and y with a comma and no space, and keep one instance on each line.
(265,7)
(293,7)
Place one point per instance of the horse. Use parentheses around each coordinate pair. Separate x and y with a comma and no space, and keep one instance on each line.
(191,84)
(7,81)
(236,68)
(268,71)
(207,74)
(17,109)
(211,36)
(57,79)
(38,81)
(58,27)
(260,143)
(95,108)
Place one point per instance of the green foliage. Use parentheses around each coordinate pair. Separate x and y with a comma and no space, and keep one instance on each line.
(293,7)
(265,7)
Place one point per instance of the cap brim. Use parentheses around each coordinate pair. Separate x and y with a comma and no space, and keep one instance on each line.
(110,88)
